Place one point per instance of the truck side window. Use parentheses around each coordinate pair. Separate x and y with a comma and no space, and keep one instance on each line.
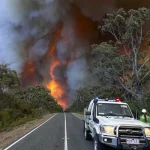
(94,111)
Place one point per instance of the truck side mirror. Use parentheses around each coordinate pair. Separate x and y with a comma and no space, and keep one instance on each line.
(88,113)
(96,120)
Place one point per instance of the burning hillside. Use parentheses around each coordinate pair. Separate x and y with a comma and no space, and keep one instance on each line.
(48,41)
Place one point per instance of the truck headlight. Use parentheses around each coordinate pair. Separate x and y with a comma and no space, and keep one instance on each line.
(147,131)
(107,129)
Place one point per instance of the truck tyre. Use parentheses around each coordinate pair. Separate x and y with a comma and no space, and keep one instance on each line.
(87,135)
(100,146)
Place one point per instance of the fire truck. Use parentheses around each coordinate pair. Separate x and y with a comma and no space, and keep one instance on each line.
(111,125)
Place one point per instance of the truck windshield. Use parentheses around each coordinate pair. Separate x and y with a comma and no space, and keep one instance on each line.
(105,109)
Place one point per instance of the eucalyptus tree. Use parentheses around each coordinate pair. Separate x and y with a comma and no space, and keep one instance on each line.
(123,61)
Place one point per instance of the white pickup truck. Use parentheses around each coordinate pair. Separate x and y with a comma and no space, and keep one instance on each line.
(111,124)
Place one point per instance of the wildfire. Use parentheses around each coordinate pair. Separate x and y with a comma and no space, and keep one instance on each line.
(54,85)
(84,30)
(29,73)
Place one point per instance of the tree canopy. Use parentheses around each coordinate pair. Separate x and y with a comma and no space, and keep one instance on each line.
(122,61)
(19,105)
(8,79)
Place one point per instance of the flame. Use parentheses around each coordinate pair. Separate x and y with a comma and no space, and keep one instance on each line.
(56,88)
(86,30)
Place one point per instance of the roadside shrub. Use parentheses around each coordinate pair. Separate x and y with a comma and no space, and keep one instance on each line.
(19,105)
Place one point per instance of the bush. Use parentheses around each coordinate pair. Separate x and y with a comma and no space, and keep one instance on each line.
(19,105)
(137,106)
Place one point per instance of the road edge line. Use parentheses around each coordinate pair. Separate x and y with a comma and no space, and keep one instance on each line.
(29,133)
(65,141)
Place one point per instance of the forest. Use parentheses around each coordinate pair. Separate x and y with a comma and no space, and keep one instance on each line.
(19,105)
(121,65)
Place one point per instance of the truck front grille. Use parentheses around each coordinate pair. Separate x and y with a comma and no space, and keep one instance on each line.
(127,132)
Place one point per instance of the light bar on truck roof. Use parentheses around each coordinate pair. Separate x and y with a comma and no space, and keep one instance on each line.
(118,99)
(108,100)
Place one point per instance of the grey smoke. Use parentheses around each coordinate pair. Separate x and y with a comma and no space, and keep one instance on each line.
(26,27)
(76,50)
(75,73)
(39,49)
(21,20)
(96,9)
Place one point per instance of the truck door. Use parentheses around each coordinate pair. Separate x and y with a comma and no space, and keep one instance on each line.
(91,122)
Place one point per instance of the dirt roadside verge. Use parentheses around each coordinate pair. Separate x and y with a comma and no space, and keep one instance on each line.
(8,137)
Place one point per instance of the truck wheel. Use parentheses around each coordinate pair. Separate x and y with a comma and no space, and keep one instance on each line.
(87,135)
(98,145)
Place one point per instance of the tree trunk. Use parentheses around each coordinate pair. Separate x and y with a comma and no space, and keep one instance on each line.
(139,92)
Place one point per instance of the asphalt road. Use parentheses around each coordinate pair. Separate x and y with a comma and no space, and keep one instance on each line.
(63,131)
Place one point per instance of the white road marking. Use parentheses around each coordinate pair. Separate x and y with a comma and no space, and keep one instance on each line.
(65,141)
(28,133)
(76,116)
